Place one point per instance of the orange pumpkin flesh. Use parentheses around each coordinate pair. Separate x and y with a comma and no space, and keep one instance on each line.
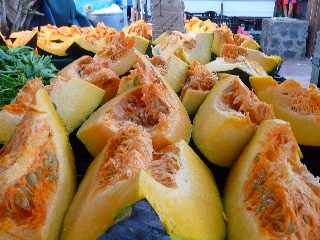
(37,178)
(140,28)
(12,114)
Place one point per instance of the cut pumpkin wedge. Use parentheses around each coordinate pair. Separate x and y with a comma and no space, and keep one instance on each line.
(269,193)
(96,72)
(269,63)
(37,175)
(173,70)
(292,102)
(227,120)
(119,54)
(199,83)
(197,25)
(22,38)
(224,65)
(173,179)
(188,47)
(70,98)
(150,106)
(75,100)
(12,114)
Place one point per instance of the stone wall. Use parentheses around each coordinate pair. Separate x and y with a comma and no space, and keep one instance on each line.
(167,15)
(286,37)
(315,75)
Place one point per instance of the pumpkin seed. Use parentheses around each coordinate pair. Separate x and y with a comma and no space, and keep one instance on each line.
(50,161)
(38,172)
(21,201)
(32,179)
(291,228)
(51,177)
(26,190)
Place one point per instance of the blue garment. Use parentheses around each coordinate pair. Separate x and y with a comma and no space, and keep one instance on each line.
(143,224)
(59,13)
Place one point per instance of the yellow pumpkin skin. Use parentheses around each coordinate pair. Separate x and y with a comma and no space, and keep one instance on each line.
(58,200)
(221,134)
(197,189)
(191,210)
(192,99)
(243,224)
(71,99)
(306,127)
(175,72)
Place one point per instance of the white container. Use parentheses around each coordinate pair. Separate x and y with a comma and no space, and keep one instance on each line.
(115,20)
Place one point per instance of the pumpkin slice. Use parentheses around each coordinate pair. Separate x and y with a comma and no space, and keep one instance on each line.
(74,100)
(188,47)
(70,98)
(269,193)
(242,67)
(12,114)
(56,41)
(269,63)
(199,83)
(93,39)
(95,72)
(292,102)
(139,28)
(227,120)
(119,54)
(22,38)
(163,37)
(126,83)
(37,175)
(246,42)
(151,106)
(197,25)
(173,70)
(173,179)
(221,36)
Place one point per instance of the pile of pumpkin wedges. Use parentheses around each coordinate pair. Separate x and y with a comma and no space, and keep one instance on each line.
(135,114)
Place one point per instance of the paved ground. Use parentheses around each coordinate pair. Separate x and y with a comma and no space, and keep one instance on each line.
(298,70)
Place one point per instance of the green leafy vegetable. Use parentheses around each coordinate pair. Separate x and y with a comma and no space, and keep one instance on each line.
(17,66)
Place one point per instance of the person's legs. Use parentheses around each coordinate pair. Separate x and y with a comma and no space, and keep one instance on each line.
(290,11)
(285,7)
(285,10)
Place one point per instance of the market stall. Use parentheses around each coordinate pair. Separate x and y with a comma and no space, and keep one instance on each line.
(111,134)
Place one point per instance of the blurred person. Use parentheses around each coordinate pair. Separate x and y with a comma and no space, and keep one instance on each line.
(288,6)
